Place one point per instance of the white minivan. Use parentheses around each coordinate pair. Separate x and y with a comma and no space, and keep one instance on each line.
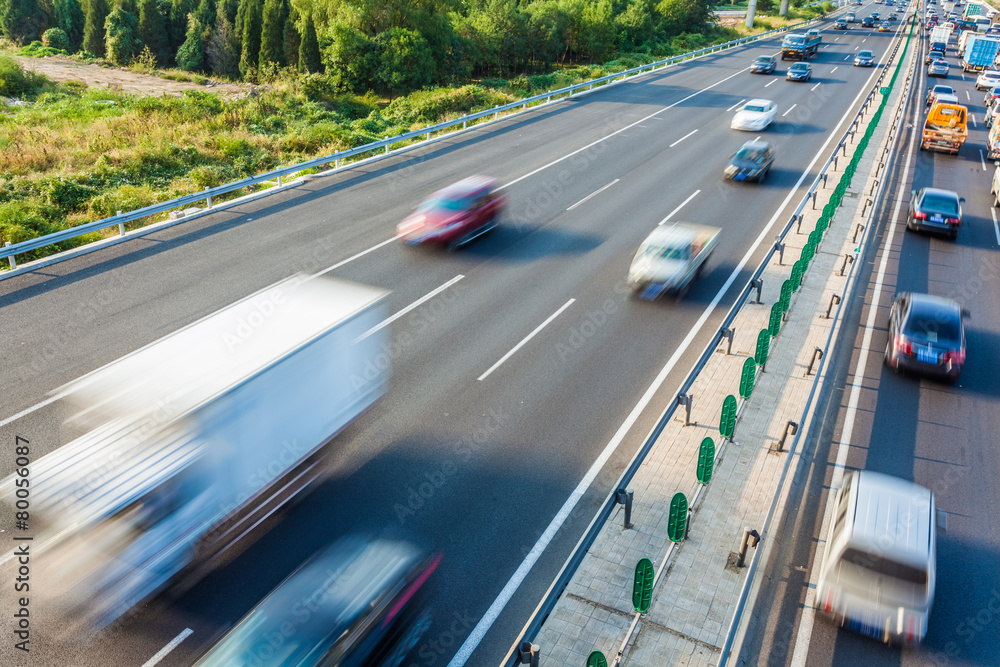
(877,574)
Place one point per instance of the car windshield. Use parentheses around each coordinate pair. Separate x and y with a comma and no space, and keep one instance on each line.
(940,204)
(800,67)
(764,60)
(865,54)
(753,107)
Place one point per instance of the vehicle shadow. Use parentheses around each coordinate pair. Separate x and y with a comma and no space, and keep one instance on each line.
(511,241)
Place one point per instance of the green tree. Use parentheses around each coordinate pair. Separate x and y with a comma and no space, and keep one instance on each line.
(684,15)
(405,61)
(55,38)
(252,18)
(351,58)
(96,13)
(191,55)
(69,16)
(272,34)
(22,21)
(291,40)
(547,32)
(205,14)
(121,42)
(500,32)
(222,54)
(178,25)
(635,24)
(153,30)
(309,56)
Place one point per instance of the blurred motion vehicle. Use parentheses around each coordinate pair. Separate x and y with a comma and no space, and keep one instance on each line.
(755,115)
(945,128)
(850,17)
(764,65)
(455,215)
(864,59)
(358,603)
(995,184)
(989,117)
(980,52)
(938,68)
(926,335)
(939,38)
(885,26)
(991,97)
(797,46)
(195,440)
(936,210)
(799,72)
(841,24)
(867,22)
(940,89)
(988,79)
(933,55)
(879,568)
(751,162)
(670,258)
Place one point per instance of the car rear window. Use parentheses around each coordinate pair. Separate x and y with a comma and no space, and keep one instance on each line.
(938,203)
(448,204)
(932,324)
(753,154)
(885,567)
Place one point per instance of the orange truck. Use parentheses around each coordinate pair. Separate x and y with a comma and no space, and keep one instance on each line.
(945,128)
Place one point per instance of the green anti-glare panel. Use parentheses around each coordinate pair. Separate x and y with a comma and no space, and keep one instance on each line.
(763,347)
(706,461)
(774,324)
(747,378)
(677,521)
(597,659)
(815,236)
(797,270)
(727,422)
(786,295)
(642,586)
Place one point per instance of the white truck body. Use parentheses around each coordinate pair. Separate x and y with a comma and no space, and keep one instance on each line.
(199,437)
(940,34)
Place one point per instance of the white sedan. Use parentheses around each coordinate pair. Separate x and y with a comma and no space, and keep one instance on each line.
(988,79)
(755,115)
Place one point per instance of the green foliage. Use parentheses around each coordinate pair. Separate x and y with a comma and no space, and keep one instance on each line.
(222,54)
(15,82)
(70,18)
(55,38)
(191,55)
(153,30)
(309,57)
(252,18)
(21,20)
(291,40)
(351,58)
(684,15)
(178,25)
(404,60)
(122,42)
(272,43)
(125,197)
(95,13)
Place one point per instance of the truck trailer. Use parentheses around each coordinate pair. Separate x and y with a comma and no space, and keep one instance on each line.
(980,52)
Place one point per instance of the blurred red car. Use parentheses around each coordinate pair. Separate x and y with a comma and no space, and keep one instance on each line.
(455,215)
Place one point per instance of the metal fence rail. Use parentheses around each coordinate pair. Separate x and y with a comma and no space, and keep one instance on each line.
(11,251)
(552,595)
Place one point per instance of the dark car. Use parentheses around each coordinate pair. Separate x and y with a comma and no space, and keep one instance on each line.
(932,93)
(875,16)
(936,210)
(867,22)
(932,56)
(751,162)
(864,59)
(799,72)
(939,46)
(764,64)
(841,24)
(926,335)
(891,16)
(938,68)
(357,603)
(455,215)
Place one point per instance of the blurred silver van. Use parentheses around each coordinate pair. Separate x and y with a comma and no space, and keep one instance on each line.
(877,574)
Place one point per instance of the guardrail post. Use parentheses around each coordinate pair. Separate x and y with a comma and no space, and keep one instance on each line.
(875,183)
(834,300)
(817,353)
(727,333)
(527,654)
(748,535)
(624,497)
(798,223)
(823,177)
(279,180)
(121,226)
(812,195)
(794,427)
(836,160)
(10,258)
(758,285)
(859,228)
(848,259)
(780,247)
(868,202)
(685,400)
(208,199)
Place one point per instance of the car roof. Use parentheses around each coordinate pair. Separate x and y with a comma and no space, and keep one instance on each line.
(866,51)
(764,58)
(928,303)
(893,514)
(466,187)
(759,100)
(756,144)
(940,192)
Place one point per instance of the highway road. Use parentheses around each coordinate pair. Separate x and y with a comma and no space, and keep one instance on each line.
(474,458)
(936,434)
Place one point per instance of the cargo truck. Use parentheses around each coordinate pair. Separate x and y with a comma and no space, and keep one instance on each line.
(945,128)
(193,443)
(980,52)
(939,39)
(798,46)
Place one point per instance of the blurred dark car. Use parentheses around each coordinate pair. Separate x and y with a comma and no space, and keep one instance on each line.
(455,215)
(875,16)
(864,59)
(841,24)
(764,64)
(751,162)
(938,68)
(891,17)
(932,56)
(867,22)
(799,72)
(926,335)
(357,603)
(936,210)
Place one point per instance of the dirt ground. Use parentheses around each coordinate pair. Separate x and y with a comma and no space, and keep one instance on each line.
(66,69)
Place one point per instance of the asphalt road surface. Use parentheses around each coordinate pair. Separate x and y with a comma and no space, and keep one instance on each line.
(475,466)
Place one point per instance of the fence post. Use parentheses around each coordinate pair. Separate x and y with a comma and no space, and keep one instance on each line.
(208,199)
(10,258)
(121,226)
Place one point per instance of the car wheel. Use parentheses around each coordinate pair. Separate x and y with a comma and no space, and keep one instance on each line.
(888,358)
(763,175)
(953,234)
(996,199)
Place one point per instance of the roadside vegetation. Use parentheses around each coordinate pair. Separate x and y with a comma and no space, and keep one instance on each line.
(69,155)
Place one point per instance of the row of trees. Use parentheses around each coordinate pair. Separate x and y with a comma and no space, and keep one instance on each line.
(388,45)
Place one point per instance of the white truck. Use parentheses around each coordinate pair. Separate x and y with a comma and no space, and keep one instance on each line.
(193,442)
(939,38)
(670,259)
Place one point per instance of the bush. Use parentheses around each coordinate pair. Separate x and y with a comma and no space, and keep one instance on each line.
(56,38)
(122,198)
(66,194)
(15,82)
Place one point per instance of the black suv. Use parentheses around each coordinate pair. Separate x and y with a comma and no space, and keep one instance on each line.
(868,22)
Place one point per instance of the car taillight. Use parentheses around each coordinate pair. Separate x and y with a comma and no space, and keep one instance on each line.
(828,602)
(955,356)
(411,591)
(911,629)
(903,345)
(953,221)
(919,215)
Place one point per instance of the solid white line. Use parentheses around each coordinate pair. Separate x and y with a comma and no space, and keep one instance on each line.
(491,615)
(816,86)
(789,110)
(835,68)
(595,192)
(804,634)
(996,227)
(981,160)
(629,126)
(162,653)
(679,207)
(354,257)
(770,83)
(738,103)
(682,138)
(416,304)
(526,339)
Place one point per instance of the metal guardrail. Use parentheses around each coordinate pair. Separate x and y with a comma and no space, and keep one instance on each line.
(562,580)
(11,251)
